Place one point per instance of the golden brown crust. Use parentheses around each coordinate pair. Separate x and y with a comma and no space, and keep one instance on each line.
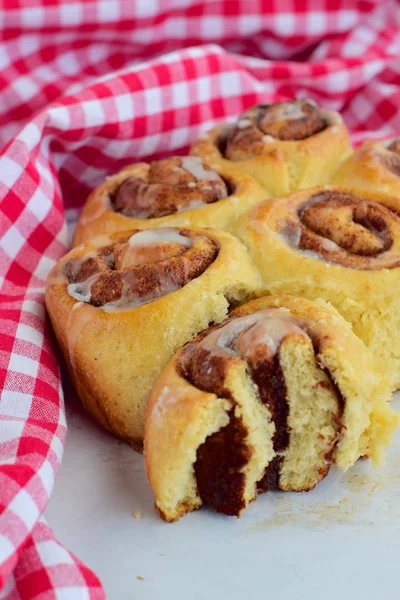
(285,121)
(285,146)
(178,191)
(122,273)
(338,225)
(115,342)
(165,187)
(374,166)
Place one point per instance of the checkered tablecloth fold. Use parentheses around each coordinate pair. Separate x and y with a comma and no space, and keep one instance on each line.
(89,86)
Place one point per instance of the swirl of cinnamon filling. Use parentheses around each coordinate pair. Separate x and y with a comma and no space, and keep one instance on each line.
(274,358)
(391,157)
(286,121)
(139,267)
(168,186)
(343,228)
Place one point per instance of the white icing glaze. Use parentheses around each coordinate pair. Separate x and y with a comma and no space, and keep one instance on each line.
(240,335)
(191,184)
(286,110)
(165,399)
(130,300)
(290,236)
(329,245)
(191,205)
(153,237)
(194,166)
(268,139)
(243,123)
(269,331)
(311,103)
(81,291)
(76,263)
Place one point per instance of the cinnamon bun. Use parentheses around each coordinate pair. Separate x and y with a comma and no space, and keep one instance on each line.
(178,191)
(285,146)
(339,245)
(121,304)
(268,399)
(374,166)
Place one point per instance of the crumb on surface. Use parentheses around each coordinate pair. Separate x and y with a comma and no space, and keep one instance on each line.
(140,578)
(137,514)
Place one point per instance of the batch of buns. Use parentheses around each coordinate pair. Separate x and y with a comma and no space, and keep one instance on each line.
(236,311)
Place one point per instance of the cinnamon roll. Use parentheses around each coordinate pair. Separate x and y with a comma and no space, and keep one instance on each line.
(285,146)
(335,244)
(268,399)
(374,166)
(121,304)
(179,191)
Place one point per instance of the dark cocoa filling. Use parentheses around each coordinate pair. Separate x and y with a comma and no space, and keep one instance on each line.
(217,468)
(139,282)
(168,188)
(224,454)
(339,422)
(270,480)
(269,379)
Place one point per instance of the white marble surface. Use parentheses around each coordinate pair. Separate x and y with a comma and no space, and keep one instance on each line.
(341,541)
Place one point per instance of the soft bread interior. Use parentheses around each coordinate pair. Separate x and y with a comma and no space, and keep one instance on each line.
(313,419)
(178,492)
(256,418)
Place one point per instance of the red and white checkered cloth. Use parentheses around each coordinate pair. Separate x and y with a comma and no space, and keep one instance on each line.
(89,86)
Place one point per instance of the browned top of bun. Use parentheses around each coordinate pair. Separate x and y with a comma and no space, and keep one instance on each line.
(140,267)
(391,159)
(287,121)
(167,186)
